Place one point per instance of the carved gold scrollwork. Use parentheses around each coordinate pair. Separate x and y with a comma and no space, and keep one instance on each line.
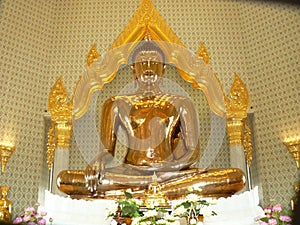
(248,148)
(236,109)
(59,135)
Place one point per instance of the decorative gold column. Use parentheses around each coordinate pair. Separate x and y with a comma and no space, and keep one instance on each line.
(238,131)
(59,135)
(5,153)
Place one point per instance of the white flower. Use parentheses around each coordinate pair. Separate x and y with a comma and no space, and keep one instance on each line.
(171,218)
(176,203)
(161,221)
(113,222)
(180,211)
(175,223)
(150,213)
(192,197)
(193,221)
(199,223)
(137,201)
(206,212)
(112,208)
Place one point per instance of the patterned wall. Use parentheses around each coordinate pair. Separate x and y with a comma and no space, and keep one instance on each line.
(46,39)
(26,35)
(272,47)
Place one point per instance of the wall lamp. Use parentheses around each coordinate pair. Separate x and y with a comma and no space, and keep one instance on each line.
(293,146)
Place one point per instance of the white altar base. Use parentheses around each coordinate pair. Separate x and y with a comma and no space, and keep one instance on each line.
(67,211)
(238,209)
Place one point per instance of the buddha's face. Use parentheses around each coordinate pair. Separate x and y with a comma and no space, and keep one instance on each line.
(148,67)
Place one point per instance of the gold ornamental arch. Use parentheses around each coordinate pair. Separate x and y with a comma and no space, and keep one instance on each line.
(193,68)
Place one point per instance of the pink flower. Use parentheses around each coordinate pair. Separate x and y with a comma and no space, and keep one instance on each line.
(17,220)
(267,210)
(30,209)
(277,208)
(257,218)
(31,223)
(272,221)
(42,222)
(285,218)
(26,218)
(263,223)
(43,213)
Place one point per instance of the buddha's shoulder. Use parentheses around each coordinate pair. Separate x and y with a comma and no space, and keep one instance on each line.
(115,100)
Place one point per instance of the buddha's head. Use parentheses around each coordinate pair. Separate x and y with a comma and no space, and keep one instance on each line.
(148,63)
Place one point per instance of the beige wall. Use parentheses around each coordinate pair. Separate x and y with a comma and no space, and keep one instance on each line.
(45,39)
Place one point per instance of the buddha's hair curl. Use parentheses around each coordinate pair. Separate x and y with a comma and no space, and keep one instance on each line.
(148,45)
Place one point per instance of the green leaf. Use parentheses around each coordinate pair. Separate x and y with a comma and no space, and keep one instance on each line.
(128,195)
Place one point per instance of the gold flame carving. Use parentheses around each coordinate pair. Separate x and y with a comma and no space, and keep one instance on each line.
(59,135)
(236,109)
(203,53)
(92,56)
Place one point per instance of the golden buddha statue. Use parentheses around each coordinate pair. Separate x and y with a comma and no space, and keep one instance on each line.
(162,134)
(5,205)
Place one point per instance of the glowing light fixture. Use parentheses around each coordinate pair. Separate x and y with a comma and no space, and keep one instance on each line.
(5,153)
(293,146)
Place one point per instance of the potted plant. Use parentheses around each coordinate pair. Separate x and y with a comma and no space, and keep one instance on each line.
(125,210)
(156,216)
(191,208)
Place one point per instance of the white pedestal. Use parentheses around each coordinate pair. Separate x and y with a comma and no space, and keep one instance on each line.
(67,211)
(236,210)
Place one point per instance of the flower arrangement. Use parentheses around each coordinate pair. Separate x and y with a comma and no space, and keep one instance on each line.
(127,207)
(275,215)
(156,216)
(32,217)
(192,208)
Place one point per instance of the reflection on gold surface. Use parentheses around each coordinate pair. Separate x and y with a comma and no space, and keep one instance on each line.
(5,153)
(213,183)
(59,135)
(294,199)
(5,205)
